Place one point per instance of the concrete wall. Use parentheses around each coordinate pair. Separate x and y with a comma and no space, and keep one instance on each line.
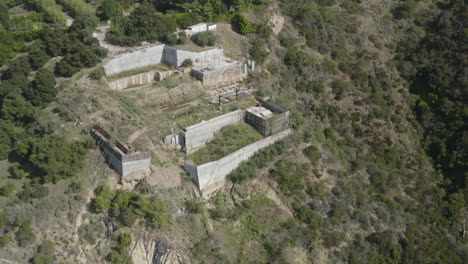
(218,78)
(161,53)
(213,173)
(130,167)
(200,58)
(135,59)
(199,134)
(123,164)
(170,56)
(133,80)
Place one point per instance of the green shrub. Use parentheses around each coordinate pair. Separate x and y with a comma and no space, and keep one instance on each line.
(7,190)
(195,206)
(313,153)
(241,25)
(258,51)
(332,239)
(17,172)
(5,240)
(45,253)
(97,74)
(289,176)
(25,234)
(187,63)
(308,216)
(340,87)
(202,39)
(316,190)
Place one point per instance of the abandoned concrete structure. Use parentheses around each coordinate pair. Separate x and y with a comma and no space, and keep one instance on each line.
(209,66)
(270,120)
(210,176)
(196,136)
(215,77)
(154,55)
(123,159)
(267,118)
(201,27)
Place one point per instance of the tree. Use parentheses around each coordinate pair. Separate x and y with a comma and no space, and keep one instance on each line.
(16,108)
(124,241)
(263,30)
(313,153)
(241,25)
(188,19)
(110,9)
(45,253)
(25,234)
(7,131)
(55,158)
(18,66)
(187,63)
(42,91)
(258,51)
(4,17)
(8,189)
(202,39)
(38,55)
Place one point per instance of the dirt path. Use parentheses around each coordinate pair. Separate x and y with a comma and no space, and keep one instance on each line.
(136,134)
(6,261)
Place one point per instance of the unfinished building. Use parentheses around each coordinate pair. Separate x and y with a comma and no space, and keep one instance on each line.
(214,77)
(269,119)
(193,137)
(211,67)
(123,159)
(200,27)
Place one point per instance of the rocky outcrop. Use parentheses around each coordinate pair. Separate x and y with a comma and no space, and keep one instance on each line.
(149,250)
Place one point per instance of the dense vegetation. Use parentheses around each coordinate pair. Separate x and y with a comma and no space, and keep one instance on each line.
(203,39)
(28,86)
(158,23)
(126,207)
(437,77)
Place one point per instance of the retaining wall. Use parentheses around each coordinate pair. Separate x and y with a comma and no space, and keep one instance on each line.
(210,175)
(222,77)
(123,164)
(199,134)
(202,58)
(134,80)
(154,55)
(137,58)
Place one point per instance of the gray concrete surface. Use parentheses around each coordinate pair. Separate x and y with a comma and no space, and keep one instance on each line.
(154,55)
(199,134)
(134,59)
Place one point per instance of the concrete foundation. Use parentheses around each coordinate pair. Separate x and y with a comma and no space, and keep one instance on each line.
(209,176)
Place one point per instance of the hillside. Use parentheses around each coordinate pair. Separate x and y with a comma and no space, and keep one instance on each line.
(374,172)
